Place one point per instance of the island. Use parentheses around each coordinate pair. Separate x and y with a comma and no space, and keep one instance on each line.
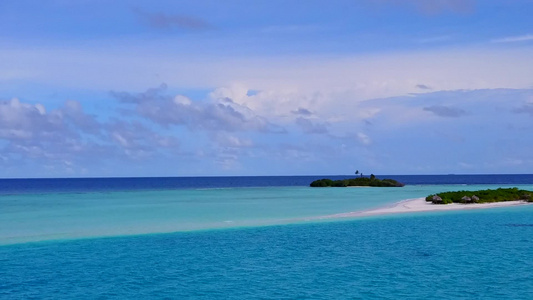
(481,196)
(371,181)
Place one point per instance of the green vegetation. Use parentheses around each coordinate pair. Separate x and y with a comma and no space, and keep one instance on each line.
(360,181)
(481,196)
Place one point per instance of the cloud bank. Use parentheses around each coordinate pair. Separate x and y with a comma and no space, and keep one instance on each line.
(471,131)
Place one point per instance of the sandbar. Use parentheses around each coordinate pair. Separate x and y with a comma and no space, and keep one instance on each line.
(421,205)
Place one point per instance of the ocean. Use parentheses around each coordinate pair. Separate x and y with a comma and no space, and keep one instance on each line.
(257,238)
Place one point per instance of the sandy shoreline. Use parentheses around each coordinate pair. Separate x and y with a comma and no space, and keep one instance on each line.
(421,205)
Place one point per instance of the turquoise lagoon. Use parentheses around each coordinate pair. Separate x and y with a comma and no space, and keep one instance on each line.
(259,243)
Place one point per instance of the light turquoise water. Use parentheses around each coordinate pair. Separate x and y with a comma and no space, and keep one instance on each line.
(40,217)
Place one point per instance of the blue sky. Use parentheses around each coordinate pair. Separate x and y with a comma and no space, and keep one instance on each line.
(214,88)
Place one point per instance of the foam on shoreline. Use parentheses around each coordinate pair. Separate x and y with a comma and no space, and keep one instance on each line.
(421,205)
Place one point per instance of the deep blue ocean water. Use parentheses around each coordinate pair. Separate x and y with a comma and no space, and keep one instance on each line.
(80,238)
(77,185)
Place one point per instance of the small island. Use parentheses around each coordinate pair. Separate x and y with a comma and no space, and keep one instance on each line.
(481,196)
(371,181)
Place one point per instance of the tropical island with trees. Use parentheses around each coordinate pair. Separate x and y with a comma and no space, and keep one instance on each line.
(481,196)
(371,181)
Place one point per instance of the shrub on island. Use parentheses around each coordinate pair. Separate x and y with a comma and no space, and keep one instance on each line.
(360,181)
(481,196)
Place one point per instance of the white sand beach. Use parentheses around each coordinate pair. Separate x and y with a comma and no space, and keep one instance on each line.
(420,205)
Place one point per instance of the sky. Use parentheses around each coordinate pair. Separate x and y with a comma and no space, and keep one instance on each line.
(243,88)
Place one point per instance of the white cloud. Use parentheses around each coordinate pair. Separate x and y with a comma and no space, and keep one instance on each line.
(136,141)
(363,138)
(70,141)
(513,39)
(219,114)
(27,121)
(182,100)
(231,141)
(380,138)
(120,139)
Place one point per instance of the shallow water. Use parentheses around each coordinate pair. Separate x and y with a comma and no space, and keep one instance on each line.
(51,216)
